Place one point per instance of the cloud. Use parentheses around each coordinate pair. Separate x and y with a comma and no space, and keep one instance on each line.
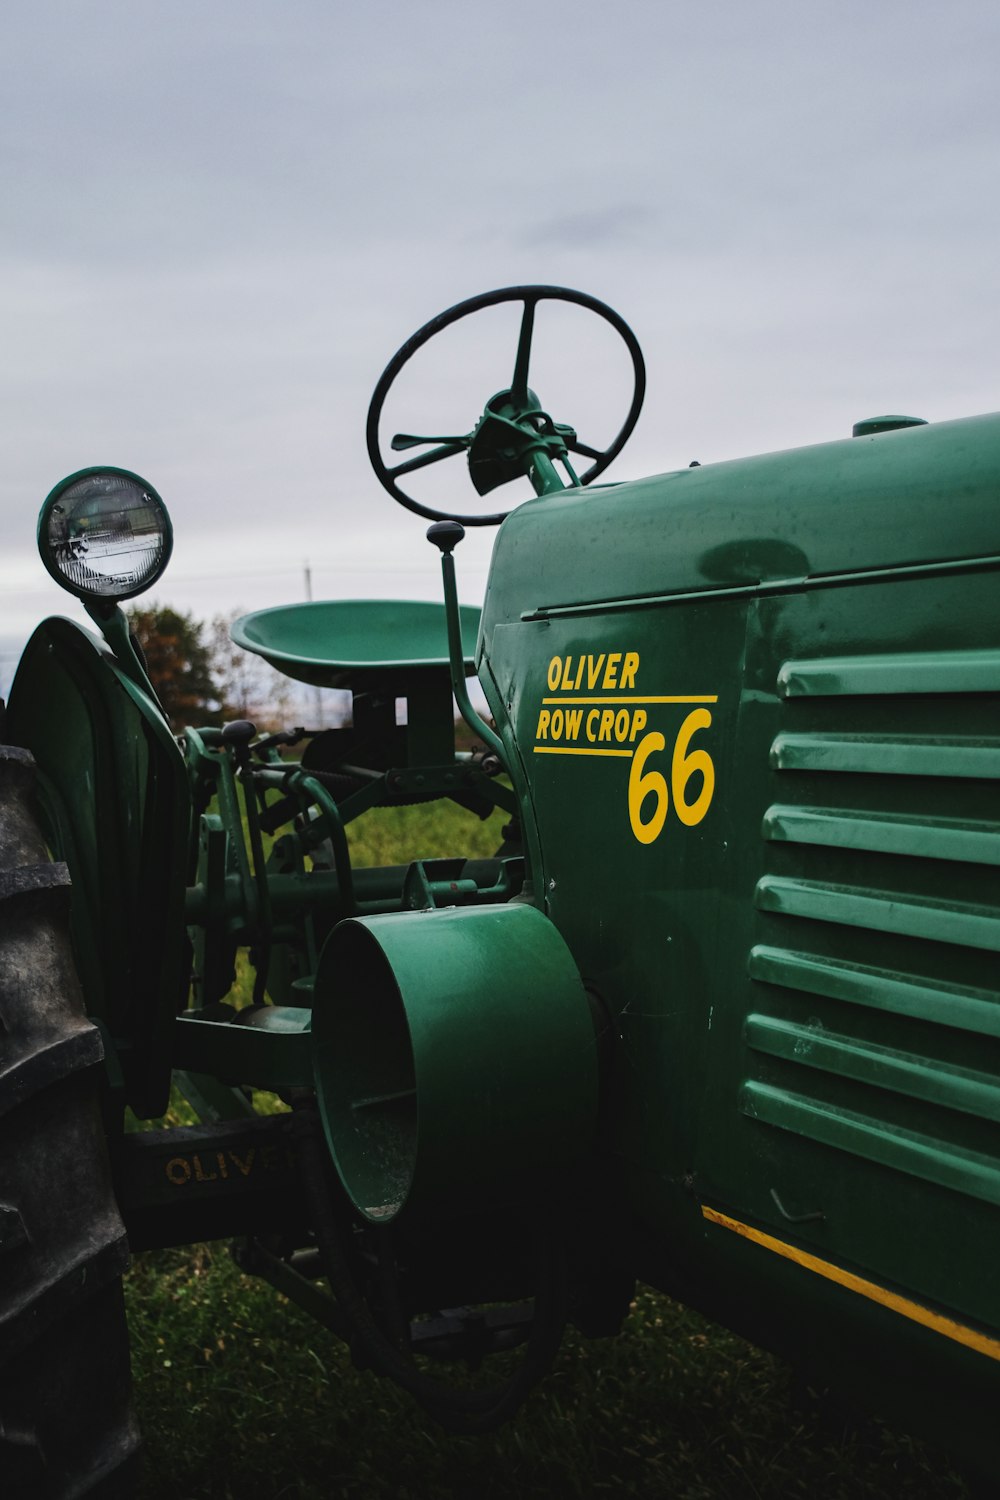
(618,225)
(219,222)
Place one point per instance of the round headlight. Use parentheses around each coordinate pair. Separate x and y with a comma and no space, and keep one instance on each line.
(104,534)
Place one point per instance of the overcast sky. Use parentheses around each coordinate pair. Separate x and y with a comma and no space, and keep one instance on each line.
(220,220)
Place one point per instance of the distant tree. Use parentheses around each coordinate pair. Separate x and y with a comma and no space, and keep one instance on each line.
(202,677)
(249,687)
(179,664)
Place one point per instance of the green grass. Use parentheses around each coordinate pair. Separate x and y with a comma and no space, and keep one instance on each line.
(395,835)
(242,1397)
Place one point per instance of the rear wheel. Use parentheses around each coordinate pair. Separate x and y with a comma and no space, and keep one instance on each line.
(66,1422)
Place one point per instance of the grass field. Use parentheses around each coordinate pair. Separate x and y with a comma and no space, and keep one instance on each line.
(242,1397)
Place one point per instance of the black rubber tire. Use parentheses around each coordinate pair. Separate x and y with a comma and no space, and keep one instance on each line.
(67,1427)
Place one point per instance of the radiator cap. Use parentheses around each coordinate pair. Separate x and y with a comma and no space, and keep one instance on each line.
(869,426)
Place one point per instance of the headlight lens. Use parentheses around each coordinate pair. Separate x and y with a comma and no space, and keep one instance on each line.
(104,534)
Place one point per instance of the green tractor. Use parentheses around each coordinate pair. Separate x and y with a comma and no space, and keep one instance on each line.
(721,1012)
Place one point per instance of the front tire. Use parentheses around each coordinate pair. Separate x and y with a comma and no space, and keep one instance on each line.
(66,1424)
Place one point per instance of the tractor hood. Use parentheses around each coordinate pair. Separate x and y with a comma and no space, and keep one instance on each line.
(899,499)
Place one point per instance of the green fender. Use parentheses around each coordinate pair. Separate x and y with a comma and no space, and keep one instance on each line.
(114,801)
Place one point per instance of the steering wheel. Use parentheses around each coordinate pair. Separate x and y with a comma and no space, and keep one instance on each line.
(513,429)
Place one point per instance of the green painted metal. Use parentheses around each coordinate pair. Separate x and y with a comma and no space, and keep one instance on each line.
(514,437)
(912,672)
(802,977)
(456,1060)
(266,1048)
(946,1004)
(750,716)
(113,625)
(870,426)
(446,535)
(977,842)
(885,1067)
(334,643)
(888,754)
(116,806)
(974,1173)
(937,919)
(815,512)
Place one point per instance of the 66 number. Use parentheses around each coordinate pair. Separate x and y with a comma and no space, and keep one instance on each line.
(652,785)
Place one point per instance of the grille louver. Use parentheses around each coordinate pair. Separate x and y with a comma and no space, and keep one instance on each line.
(879,908)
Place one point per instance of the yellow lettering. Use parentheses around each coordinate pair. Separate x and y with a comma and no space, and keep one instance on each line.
(594,672)
(223,1169)
(643,784)
(579,673)
(622,720)
(574,717)
(542,731)
(611,675)
(607,724)
(243,1165)
(567,675)
(557,723)
(629,668)
(555,667)
(595,713)
(638,720)
(685,764)
(200,1174)
(178,1171)
(688,763)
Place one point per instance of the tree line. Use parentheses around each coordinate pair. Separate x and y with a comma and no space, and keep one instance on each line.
(201,677)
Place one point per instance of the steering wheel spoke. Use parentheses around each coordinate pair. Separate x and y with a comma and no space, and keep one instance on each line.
(404,440)
(575,446)
(495,459)
(519,384)
(424,460)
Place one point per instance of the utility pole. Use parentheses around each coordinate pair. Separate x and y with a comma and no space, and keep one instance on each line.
(319,695)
